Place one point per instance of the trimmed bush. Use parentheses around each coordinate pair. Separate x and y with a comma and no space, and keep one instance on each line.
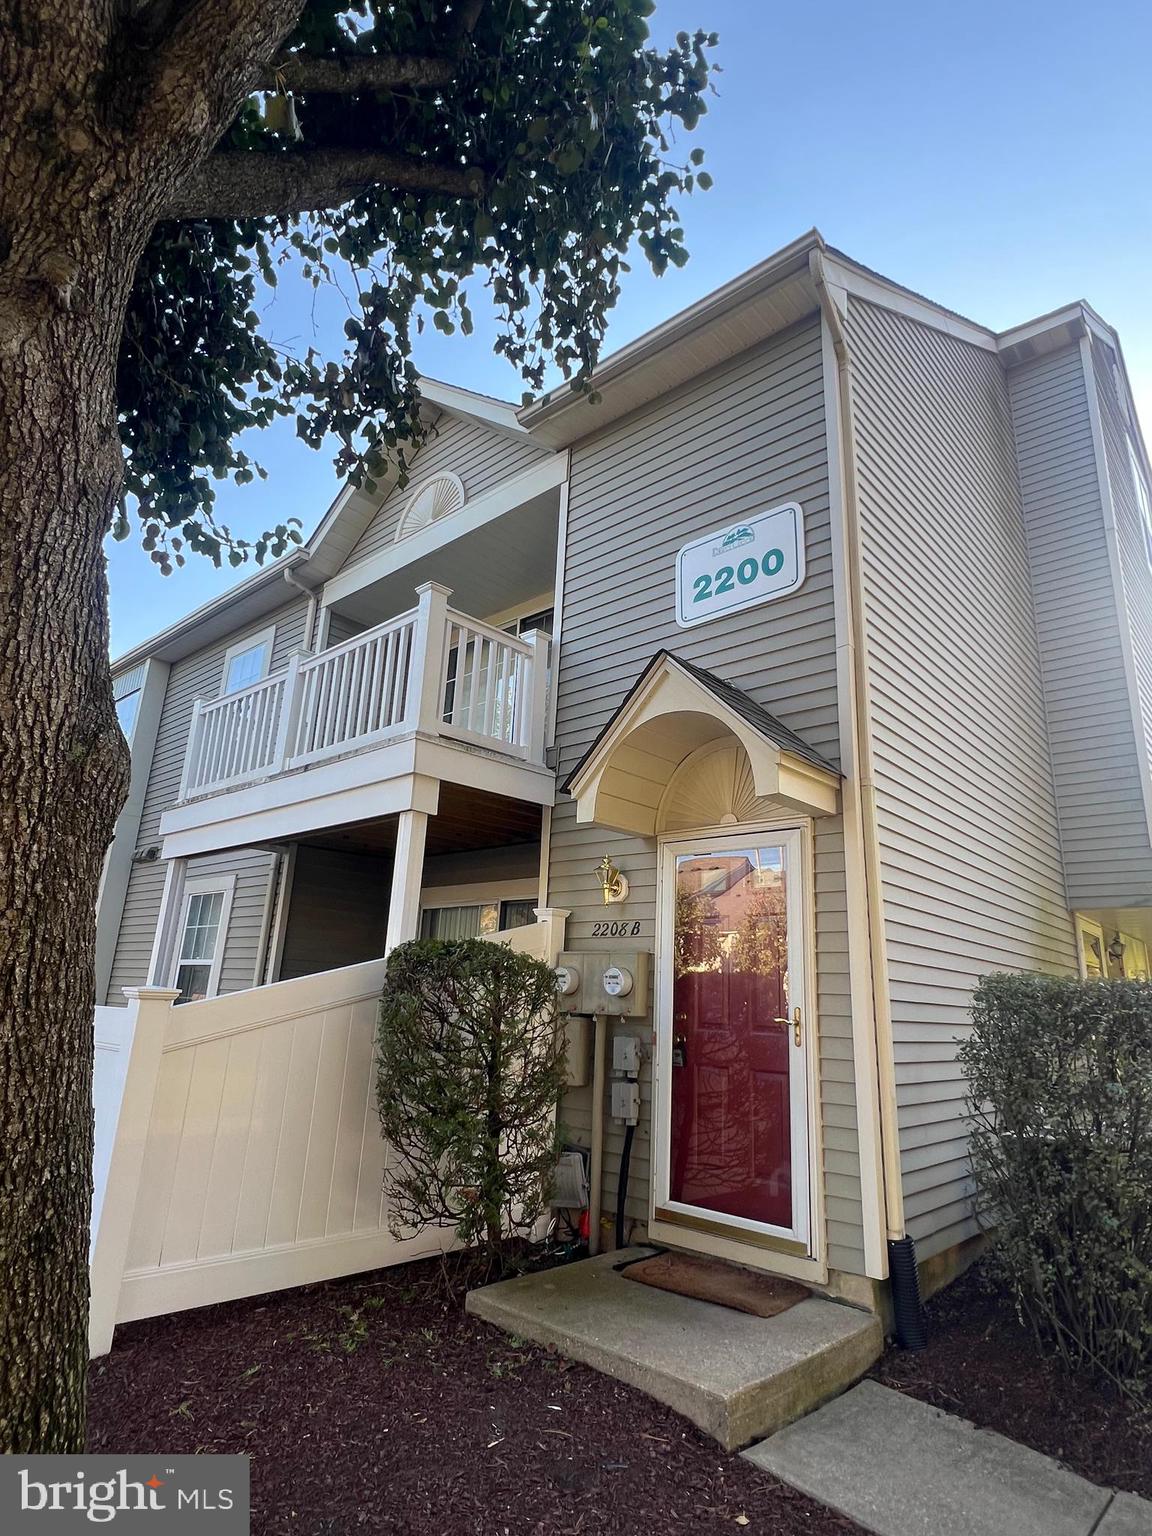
(471,1068)
(1061,1095)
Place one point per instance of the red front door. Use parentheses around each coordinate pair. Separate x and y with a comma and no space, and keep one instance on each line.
(730,1143)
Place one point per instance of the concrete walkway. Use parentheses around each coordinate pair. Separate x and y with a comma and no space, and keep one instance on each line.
(900,1467)
(736,1377)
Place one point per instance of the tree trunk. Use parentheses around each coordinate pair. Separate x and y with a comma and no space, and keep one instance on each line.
(63,776)
(107,107)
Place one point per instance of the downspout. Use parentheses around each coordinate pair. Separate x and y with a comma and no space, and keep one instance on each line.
(312,594)
(862,747)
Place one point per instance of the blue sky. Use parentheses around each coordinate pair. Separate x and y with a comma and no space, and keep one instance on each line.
(996,157)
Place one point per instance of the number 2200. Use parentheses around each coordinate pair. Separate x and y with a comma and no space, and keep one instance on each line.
(727,576)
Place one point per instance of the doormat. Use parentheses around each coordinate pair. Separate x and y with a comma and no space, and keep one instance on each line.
(725,1285)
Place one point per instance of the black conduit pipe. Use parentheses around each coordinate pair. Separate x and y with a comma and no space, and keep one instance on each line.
(622,1184)
(907,1308)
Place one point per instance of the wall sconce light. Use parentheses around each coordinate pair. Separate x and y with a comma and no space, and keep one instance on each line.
(613,884)
(1116,949)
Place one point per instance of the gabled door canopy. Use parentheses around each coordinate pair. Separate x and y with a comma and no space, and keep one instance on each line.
(673,710)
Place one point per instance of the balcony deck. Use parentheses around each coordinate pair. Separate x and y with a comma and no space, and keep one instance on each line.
(370,724)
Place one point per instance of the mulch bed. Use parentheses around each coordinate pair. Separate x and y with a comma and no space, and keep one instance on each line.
(982,1364)
(374,1404)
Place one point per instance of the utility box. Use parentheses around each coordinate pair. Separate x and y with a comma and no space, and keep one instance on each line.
(626,1101)
(626,1055)
(610,982)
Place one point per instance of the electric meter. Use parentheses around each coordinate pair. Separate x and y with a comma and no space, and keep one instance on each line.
(617,982)
(567,980)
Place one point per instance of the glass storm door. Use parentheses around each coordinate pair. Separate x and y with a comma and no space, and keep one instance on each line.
(735,1086)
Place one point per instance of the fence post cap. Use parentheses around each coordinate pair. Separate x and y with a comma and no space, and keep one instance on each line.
(152,994)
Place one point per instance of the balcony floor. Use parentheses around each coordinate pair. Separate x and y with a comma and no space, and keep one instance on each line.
(417,772)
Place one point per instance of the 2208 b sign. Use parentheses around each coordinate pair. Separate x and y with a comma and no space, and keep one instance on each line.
(754,561)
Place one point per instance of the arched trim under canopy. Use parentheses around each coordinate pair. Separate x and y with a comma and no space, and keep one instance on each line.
(628,779)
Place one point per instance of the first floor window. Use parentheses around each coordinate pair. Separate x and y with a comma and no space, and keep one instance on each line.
(478,921)
(518,914)
(200,940)
(471,922)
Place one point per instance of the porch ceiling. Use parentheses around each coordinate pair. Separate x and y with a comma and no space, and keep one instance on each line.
(467,820)
(489,569)
(1134,920)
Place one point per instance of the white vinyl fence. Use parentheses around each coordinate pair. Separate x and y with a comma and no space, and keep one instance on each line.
(115,1028)
(246,1155)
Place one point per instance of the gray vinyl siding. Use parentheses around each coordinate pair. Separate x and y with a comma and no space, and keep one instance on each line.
(481,457)
(1103,827)
(341,628)
(1134,596)
(732,443)
(337,911)
(969,844)
(195,677)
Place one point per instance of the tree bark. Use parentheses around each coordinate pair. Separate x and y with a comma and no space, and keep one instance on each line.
(252,184)
(63,775)
(92,142)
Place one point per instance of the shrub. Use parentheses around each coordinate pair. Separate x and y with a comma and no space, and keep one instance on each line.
(1061,1094)
(471,1067)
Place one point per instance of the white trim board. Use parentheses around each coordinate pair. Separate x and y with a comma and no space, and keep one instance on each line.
(400,776)
(795,837)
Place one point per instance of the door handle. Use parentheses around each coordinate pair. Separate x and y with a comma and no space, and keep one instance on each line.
(796,1023)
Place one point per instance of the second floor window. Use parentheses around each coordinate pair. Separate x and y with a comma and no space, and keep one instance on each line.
(541,621)
(126,709)
(247,662)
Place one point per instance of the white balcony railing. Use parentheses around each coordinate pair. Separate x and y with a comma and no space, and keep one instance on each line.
(428,670)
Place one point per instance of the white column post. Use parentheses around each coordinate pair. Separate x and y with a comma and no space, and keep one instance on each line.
(407,879)
(426,674)
(290,700)
(163,940)
(535,702)
(152,1007)
(192,750)
(557,921)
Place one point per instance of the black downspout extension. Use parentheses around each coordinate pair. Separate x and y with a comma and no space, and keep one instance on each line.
(907,1308)
(622,1184)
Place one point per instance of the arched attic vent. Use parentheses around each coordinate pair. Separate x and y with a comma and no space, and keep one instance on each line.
(437,497)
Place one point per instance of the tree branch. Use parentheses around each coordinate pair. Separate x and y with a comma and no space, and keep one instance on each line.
(190,84)
(250,184)
(355,72)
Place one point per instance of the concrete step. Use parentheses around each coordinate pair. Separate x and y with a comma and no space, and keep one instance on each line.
(736,1377)
(900,1467)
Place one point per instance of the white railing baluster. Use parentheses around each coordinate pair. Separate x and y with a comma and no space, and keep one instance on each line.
(488,695)
(431,670)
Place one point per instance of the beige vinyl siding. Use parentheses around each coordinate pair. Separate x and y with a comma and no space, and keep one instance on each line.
(737,441)
(480,456)
(1134,596)
(969,845)
(1103,830)
(198,677)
